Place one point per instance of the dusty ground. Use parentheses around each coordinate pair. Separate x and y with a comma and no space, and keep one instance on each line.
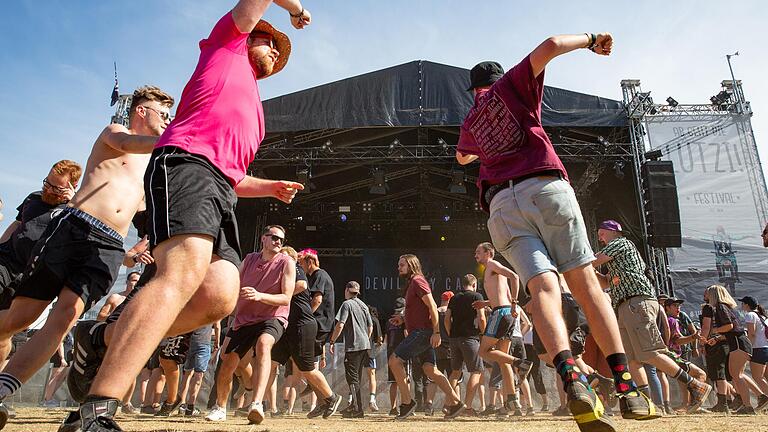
(41,420)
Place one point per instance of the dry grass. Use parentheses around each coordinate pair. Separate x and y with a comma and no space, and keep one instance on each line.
(41,420)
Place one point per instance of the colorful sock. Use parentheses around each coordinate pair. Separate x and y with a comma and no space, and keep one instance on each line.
(683,377)
(566,368)
(622,379)
(9,385)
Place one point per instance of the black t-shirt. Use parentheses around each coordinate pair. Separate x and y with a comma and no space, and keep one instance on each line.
(463,314)
(724,315)
(320,283)
(201,336)
(301,303)
(34,215)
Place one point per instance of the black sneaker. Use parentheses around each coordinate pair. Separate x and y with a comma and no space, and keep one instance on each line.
(353,414)
(454,410)
(586,408)
(745,410)
(488,411)
(318,411)
(406,410)
(736,404)
(98,416)
(4,415)
(394,411)
(635,405)
(72,423)
(428,410)
(168,408)
(762,403)
(561,412)
(720,408)
(331,406)
(605,386)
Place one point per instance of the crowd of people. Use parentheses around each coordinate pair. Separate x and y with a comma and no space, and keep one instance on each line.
(270,317)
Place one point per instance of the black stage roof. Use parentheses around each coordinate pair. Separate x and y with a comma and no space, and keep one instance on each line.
(419,93)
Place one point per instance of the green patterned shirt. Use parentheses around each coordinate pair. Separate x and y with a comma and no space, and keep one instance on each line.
(626,271)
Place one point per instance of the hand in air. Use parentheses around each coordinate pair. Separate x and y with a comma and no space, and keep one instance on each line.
(285,191)
(302,20)
(603,44)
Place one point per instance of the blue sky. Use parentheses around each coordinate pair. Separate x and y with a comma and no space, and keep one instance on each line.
(56,56)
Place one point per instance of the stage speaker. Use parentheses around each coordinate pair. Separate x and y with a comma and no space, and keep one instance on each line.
(662,210)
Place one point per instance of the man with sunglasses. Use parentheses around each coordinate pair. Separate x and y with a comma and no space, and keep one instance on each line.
(35,213)
(79,255)
(267,281)
(195,176)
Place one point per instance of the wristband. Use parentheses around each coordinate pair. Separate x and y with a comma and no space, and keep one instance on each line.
(298,15)
(592,42)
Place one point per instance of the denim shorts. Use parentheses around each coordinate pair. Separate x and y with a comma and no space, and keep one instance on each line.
(538,227)
(198,357)
(759,355)
(417,345)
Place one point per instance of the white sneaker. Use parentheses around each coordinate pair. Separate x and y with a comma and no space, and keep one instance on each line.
(217,414)
(256,414)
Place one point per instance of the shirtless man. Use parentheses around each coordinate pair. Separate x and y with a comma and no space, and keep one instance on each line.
(501,285)
(197,172)
(114,300)
(79,254)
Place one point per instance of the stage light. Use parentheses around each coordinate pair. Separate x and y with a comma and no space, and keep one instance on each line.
(379,186)
(672,102)
(274,207)
(425,227)
(480,226)
(343,217)
(367,207)
(311,228)
(345,209)
(446,218)
(442,238)
(654,155)
(328,146)
(618,169)
(457,182)
(441,142)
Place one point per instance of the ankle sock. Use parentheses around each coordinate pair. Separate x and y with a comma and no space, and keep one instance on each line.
(683,377)
(566,368)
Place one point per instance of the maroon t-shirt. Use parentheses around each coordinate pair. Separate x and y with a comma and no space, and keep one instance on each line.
(416,312)
(504,130)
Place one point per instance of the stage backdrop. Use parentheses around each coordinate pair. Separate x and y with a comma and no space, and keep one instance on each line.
(720,221)
(443,268)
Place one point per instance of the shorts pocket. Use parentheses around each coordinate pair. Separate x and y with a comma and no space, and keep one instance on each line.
(555,206)
(649,336)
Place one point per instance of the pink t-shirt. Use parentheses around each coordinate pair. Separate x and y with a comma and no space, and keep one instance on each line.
(220,116)
(416,312)
(266,277)
(504,130)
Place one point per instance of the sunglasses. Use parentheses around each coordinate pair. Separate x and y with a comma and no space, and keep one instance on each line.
(276,238)
(54,188)
(163,115)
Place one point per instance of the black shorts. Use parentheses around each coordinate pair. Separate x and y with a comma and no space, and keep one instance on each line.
(187,195)
(738,342)
(297,343)
(154,360)
(245,337)
(7,289)
(320,340)
(76,251)
(577,339)
(176,348)
(717,361)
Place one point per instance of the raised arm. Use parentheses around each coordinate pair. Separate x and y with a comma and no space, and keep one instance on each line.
(118,137)
(247,13)
(463,159)
(559,45)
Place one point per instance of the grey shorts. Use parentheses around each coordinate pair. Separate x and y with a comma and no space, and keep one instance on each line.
(637,325)
(538,227)
(466,350)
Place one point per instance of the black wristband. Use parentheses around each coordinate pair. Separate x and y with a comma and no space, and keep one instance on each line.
(592,42)
(298,15)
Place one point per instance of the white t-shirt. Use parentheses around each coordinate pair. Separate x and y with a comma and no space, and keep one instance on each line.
(516,332)
(760,323)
